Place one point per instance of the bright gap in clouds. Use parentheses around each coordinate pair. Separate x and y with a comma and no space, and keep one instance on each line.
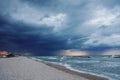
(96,40)
(39,17)
(55,21)
(30,15)
(104,16)
(105,23)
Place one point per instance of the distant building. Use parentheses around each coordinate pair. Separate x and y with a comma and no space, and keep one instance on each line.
(4,53)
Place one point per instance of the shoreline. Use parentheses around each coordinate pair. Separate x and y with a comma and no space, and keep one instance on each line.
(64,69)
(27,68)
(23,68)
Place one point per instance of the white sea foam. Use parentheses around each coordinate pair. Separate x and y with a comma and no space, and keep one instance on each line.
(78,61)
(52,58)
(81,71)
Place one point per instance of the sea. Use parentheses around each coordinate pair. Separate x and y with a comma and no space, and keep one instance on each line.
(103,66)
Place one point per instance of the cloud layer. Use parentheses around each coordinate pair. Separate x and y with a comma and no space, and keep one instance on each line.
(45,27)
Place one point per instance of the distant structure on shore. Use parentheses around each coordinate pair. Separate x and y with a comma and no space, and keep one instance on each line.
(115,56)
(5,54)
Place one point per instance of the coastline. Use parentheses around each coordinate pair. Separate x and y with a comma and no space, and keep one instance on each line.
(62,68)
(23,68)
(85,75)
(26,68)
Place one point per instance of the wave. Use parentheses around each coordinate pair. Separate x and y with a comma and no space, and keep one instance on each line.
(102,66)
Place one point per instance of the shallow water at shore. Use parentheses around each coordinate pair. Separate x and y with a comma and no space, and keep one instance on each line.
(105,66)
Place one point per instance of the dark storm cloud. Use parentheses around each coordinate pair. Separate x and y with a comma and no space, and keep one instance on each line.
(20,37)
(42,2)
(44,27)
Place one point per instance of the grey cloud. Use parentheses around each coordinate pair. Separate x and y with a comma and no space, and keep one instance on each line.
(21,28)
(21,37)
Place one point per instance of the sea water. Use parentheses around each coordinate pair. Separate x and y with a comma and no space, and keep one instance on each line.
(105,66)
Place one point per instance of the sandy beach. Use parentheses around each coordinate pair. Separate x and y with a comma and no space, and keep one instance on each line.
(23,68)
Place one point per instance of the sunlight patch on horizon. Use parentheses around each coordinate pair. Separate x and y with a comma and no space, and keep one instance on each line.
(112,52)
(74,53)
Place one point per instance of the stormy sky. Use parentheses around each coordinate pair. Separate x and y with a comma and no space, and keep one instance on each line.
(60,27)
